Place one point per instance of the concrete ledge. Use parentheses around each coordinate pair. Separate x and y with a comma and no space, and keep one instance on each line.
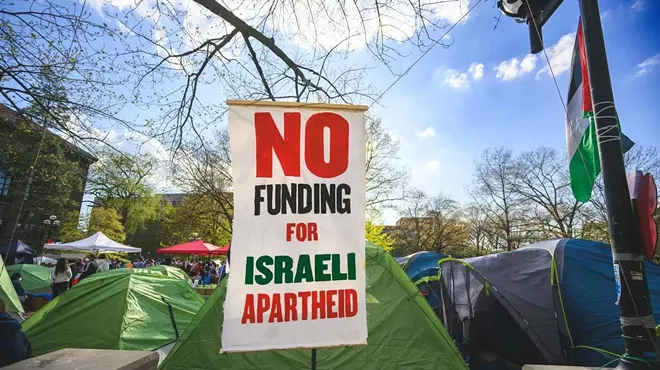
(90,359)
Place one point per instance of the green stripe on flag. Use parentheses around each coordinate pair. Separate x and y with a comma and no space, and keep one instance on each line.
(585,164)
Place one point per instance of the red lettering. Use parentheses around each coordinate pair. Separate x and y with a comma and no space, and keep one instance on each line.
(315,146)
(341,304)
(301,232)
(304,296)
(351,303)
(312,231)
(290,305)
(263,304)
(331,304)
(248,309)
(289,230)
(318,305)
(269,139)
(276,310)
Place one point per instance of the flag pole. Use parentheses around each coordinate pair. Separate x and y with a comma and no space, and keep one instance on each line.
(636,314)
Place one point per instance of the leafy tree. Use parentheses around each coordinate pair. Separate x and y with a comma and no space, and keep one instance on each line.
(200,214)
(107,221)
(69,229)
(119,181)
(153,234)
(376,234)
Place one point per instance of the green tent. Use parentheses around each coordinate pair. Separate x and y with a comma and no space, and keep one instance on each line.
(170,271)
(7,292)
(36,279)
(404,332)
(117,309)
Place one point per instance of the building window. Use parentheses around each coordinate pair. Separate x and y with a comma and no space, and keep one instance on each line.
(5,180)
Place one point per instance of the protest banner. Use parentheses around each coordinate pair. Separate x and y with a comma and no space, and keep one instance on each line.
(298,250)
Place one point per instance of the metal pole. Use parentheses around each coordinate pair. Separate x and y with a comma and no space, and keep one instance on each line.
(313,365)
(636,314)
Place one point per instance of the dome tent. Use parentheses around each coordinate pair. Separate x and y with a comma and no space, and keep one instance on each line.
(120,309)
(171,271)
(7,291)
(404,333)
(553,300)
(36,279)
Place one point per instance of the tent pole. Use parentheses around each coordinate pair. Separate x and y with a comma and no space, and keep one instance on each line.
(636,314)
(313,367)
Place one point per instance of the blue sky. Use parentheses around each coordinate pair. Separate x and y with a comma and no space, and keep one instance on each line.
(486,90)
(521,113)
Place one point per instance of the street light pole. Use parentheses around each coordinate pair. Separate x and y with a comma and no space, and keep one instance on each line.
(636,319)
(50,223)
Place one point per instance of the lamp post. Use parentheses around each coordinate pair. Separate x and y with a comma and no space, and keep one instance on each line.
(50,223)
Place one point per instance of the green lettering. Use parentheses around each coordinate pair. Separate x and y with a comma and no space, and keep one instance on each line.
(249,271)
(266,274)
(320,267)
(351,266)
(304,269)
(337,275)
(283,269)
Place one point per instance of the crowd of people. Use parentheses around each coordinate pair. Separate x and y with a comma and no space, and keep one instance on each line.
(200,272)
(63,276)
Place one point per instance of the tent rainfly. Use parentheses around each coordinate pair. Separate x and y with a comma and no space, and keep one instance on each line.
(95,243)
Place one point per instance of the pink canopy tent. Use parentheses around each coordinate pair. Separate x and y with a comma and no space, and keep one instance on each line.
(196,247)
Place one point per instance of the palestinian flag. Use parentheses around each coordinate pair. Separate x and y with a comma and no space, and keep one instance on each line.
(581,137)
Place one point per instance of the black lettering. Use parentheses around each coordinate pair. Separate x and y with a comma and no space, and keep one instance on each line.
(317,199)
(258,198)
(289,198)
(343,203)
(328,199)
(304,198)
(274,200)
(301,199)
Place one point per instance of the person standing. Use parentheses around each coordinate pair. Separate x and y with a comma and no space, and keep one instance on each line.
(103,263)
(60,277)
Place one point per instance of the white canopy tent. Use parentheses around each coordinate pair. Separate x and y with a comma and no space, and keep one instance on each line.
(95,243)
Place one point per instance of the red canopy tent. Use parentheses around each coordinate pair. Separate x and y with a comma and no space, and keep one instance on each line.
(221,251)
(197,247)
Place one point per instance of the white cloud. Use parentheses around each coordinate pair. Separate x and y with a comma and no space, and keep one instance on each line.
(456,79)
(429,132)
(637,5)
(431,166)
(476,70)
(560,55)
(459,79)
(514,68)
(606,15)
(646,66)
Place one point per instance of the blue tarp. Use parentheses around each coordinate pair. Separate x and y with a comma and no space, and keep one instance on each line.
(589,294)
